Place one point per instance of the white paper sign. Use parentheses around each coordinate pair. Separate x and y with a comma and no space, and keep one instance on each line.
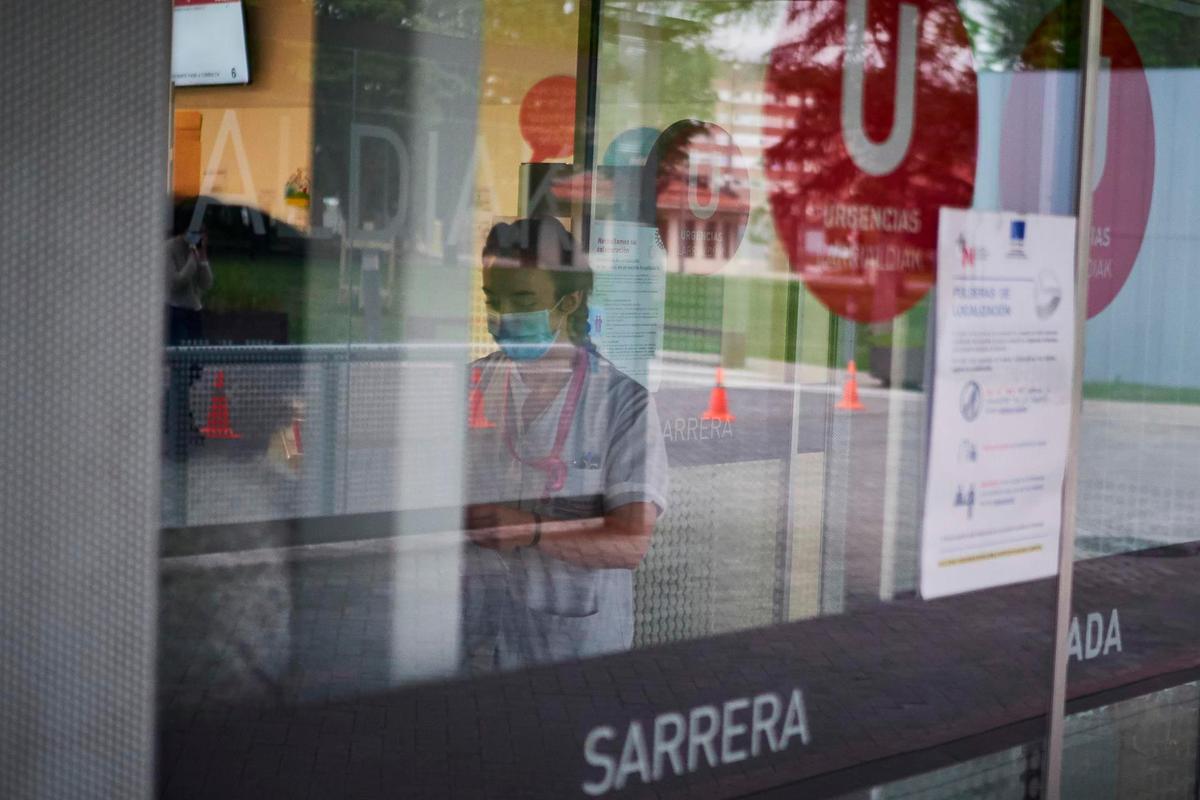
(628,302)
(208,43)
(1005,308)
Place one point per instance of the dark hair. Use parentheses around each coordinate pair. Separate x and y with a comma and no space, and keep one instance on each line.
(543,243)
(181,216)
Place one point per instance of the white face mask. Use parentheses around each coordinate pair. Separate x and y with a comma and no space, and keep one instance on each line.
(524,335)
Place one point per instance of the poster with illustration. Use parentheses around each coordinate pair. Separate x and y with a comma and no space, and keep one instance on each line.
(1005,340)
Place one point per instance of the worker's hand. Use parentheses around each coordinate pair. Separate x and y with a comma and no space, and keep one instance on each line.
(499,527)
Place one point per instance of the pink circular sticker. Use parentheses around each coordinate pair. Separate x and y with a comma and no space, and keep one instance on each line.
(702,194)
(872,116)
(547,118)
(1123,157)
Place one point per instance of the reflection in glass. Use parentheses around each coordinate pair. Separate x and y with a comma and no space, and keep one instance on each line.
(566,487)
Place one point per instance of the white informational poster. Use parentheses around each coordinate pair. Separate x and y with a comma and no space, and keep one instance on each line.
(1005,314)
(627,306)
(208,43)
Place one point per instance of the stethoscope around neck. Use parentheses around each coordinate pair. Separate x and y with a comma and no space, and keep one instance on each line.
(552,463)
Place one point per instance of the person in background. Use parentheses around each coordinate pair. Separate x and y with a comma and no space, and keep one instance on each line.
(189,276)
(566,488)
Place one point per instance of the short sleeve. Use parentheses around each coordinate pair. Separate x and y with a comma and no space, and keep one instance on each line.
(636,470)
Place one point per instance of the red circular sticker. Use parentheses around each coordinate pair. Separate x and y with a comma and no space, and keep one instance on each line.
(547,118)
(872,117)
(1123,157)
(702,194)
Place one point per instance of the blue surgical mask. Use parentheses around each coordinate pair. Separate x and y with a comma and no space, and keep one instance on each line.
(524,335)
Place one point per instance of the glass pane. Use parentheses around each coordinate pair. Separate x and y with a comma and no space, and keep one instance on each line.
(1006,775)
(1142,747)
(546,399)
(1137,519)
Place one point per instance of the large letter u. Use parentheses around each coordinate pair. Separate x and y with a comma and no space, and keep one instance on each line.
(872,158)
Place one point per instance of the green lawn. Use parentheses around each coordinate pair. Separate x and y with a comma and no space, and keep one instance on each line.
(696,313)
(698,309)
(305,290)
(1140,393)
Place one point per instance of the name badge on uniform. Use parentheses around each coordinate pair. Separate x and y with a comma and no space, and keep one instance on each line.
(588,460)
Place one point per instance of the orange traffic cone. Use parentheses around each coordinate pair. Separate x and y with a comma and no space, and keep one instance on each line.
(850,401)
(478,417)
(718,401)
(217,426)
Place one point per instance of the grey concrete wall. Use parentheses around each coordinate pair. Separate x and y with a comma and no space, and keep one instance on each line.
(83,155)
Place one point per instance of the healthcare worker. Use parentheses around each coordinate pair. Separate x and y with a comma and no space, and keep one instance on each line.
(565,489)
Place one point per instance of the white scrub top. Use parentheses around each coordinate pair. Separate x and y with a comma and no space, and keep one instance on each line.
(535,608)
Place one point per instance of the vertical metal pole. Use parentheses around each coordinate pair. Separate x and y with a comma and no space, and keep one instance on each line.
(586,69)
(1196,762)
(1089,59)
(792,356)
(893,477)
(331,393)
(839,483)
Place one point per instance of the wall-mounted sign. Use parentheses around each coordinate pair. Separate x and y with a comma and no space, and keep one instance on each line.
(630,148)
(675,744)
(628,297)
(1035,153)
(702,195)
(547,118)
(208,43)
(872,108)
(1005,336)
(1098,635)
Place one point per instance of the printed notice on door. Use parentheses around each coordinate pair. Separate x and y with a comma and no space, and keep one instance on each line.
(1005,310)
(628,300)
